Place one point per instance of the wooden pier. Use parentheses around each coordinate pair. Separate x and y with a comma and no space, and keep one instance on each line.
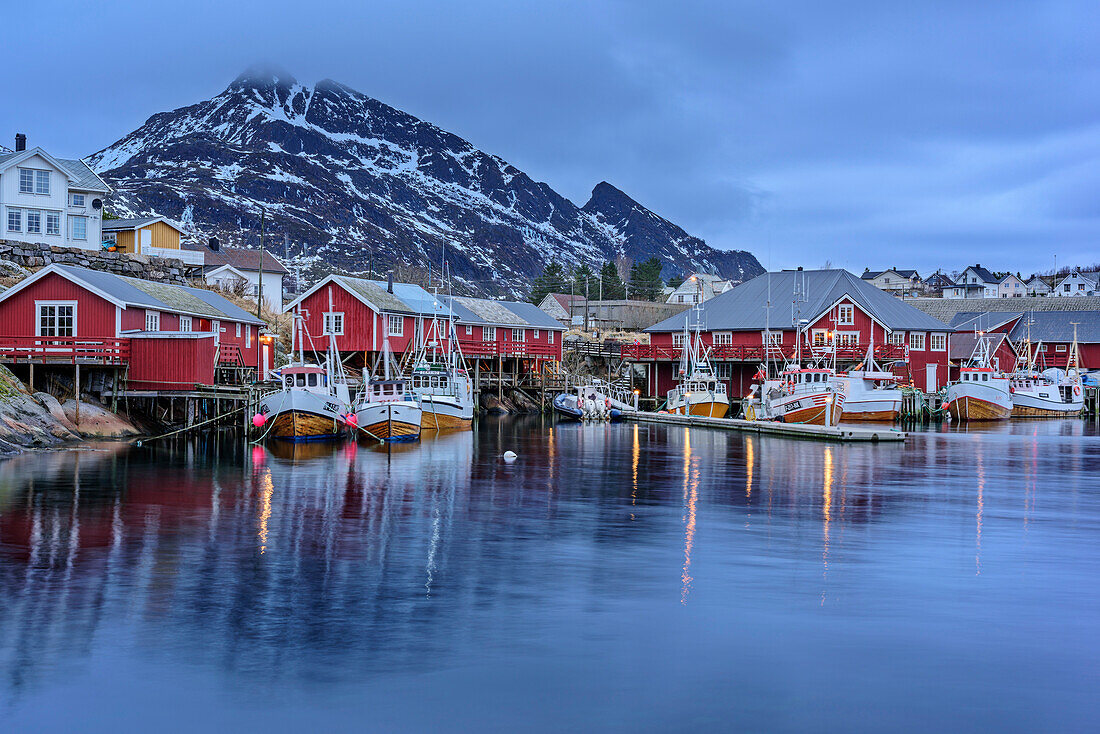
(774,428)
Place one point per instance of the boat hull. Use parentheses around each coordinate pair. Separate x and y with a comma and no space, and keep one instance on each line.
(884,410)
(709,409)
(565,405)
(301,415)
(442,413)
(978,402)
(808,408)
(390,422)
(1032,404)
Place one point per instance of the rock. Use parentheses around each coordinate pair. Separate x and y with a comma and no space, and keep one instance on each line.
(95,421)
(51,404)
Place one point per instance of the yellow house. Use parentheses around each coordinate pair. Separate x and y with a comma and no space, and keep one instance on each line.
(136,236)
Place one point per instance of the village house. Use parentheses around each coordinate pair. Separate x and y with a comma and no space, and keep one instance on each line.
(1078,284)
(233,267)
(836,308)
(894,281)
(567,309)
(53,200)
(152,236)
(699,287)
(1038,286)
(1051,334)
(160,336)
(495,336)
(1011,287)
(936,282)
(975,282)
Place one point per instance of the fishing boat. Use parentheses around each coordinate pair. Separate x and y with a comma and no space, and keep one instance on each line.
(313,401)
(441,383)
(801,395)
(700,392)
(982,392)
(870,392)
(386,410)
(1051,393)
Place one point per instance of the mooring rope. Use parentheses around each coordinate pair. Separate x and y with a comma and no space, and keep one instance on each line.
(142,441)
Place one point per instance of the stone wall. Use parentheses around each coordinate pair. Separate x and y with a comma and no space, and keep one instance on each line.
(39,255)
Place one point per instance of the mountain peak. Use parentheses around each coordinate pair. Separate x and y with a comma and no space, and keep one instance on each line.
(264,75)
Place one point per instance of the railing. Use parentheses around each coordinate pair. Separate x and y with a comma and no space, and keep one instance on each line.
(230,354)
(746,353)
(595,349)
(508,349)
(187,257)
(70,349)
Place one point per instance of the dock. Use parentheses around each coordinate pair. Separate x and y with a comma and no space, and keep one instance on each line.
(846,434)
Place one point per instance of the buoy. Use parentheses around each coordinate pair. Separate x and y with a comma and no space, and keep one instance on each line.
(258,420)
(351,420)
(510,456)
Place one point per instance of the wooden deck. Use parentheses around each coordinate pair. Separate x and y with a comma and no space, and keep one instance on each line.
(788,430)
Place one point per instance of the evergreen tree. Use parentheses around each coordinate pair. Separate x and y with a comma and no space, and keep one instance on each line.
(613,288)
(585,282)
(552,280)
(645,280)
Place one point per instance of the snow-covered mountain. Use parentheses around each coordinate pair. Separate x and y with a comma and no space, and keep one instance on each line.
(349,178)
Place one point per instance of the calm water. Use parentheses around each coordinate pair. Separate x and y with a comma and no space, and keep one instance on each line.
(634,578)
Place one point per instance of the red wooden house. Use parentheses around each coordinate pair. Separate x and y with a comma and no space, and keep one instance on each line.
(820,309)
(1051,334)
(163,337)
(362,314)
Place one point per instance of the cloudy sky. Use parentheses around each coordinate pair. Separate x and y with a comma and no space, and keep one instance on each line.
(921,134)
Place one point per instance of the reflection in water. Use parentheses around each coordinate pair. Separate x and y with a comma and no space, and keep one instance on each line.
(335,573)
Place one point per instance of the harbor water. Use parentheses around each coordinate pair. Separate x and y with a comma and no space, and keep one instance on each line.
(612,578)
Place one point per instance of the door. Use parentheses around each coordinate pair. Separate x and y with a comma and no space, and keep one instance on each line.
(263,366)
(930,378)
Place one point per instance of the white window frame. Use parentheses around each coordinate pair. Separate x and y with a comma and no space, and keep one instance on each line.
(937,337)
(248,337)
(1060,348)
(333,323)
(915,338)
(72,228)
(56,230)
(39,177)
(723,370)
(152,320)
(469,330)
(847,338)
(535,334)
(489,333)
(550,337)
(723,338)
(677,340)
(518,335)
(238,329)
(77,201)
(185,324)
(395,325)
(38,317)
(846,314)
(26,185)
(771,338)
(815,333)
(896,338)
(37,214)
(18,214)
(216,328)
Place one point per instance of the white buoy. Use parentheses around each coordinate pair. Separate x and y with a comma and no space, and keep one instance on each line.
(510,456)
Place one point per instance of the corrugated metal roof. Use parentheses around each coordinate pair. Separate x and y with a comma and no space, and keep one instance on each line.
(532,314)
(744,307)
(982,321)
(113,224)
(493,312)
(161,296)
(961,346)
(1057,326)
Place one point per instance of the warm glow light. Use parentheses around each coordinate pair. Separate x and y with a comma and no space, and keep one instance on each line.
(826,513)
(266,490)
(691,494)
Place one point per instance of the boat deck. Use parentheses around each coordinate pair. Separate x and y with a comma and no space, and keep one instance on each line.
(842,433)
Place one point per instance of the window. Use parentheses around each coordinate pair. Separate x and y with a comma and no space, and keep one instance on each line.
(916,340)
(53,223)
(34,221)
(723,370)
(15,220)
(985,377)
(238,330)
(1066,287)
(42,182)
(489,333)
(818,337)
(723,338)
(248,337)
(1042,347)
(216,327)
(56,319)
(846,314)
(395,325)
(110,237)
(680,298)
(78,228)
(469,330)
(77,200)
(535,334)
(517,335)
(26,181)
(334,323)
(152,321)
(678,339)
(847,338)
(1060,348)
(938,342)
(897,338)
(549,337)
(185,323)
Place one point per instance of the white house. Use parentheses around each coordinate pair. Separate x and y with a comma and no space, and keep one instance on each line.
(975,282)
(894,281)
(1011,287)
(230,267)
(1078,284)
(1038,287)
(53,200)
(699,287)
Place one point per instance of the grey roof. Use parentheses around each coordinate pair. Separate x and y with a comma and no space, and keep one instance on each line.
(961,346)
(493,312)
(113,224)
(82,176)
(744,307)
(532,314)
(982,321)
(241,258)
(1057,326)
(945,309)
(982,273)
(161,296)
(377,293)
(869,274)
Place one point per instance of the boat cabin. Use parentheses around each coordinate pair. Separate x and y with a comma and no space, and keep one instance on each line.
(977,374)
(306,376)
(386,391)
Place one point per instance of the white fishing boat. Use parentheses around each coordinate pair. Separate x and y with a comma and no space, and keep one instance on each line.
(700,392)
(870,392)
(441,382)
(386,410)
(1051,393)
(982,392)
(313,402)
(799,395)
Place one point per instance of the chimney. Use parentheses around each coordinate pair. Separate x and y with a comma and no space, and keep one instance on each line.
(214,244)
(800,267)
(20,142)
(389,281)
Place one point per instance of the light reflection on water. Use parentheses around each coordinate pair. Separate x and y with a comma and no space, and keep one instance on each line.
(627,577)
